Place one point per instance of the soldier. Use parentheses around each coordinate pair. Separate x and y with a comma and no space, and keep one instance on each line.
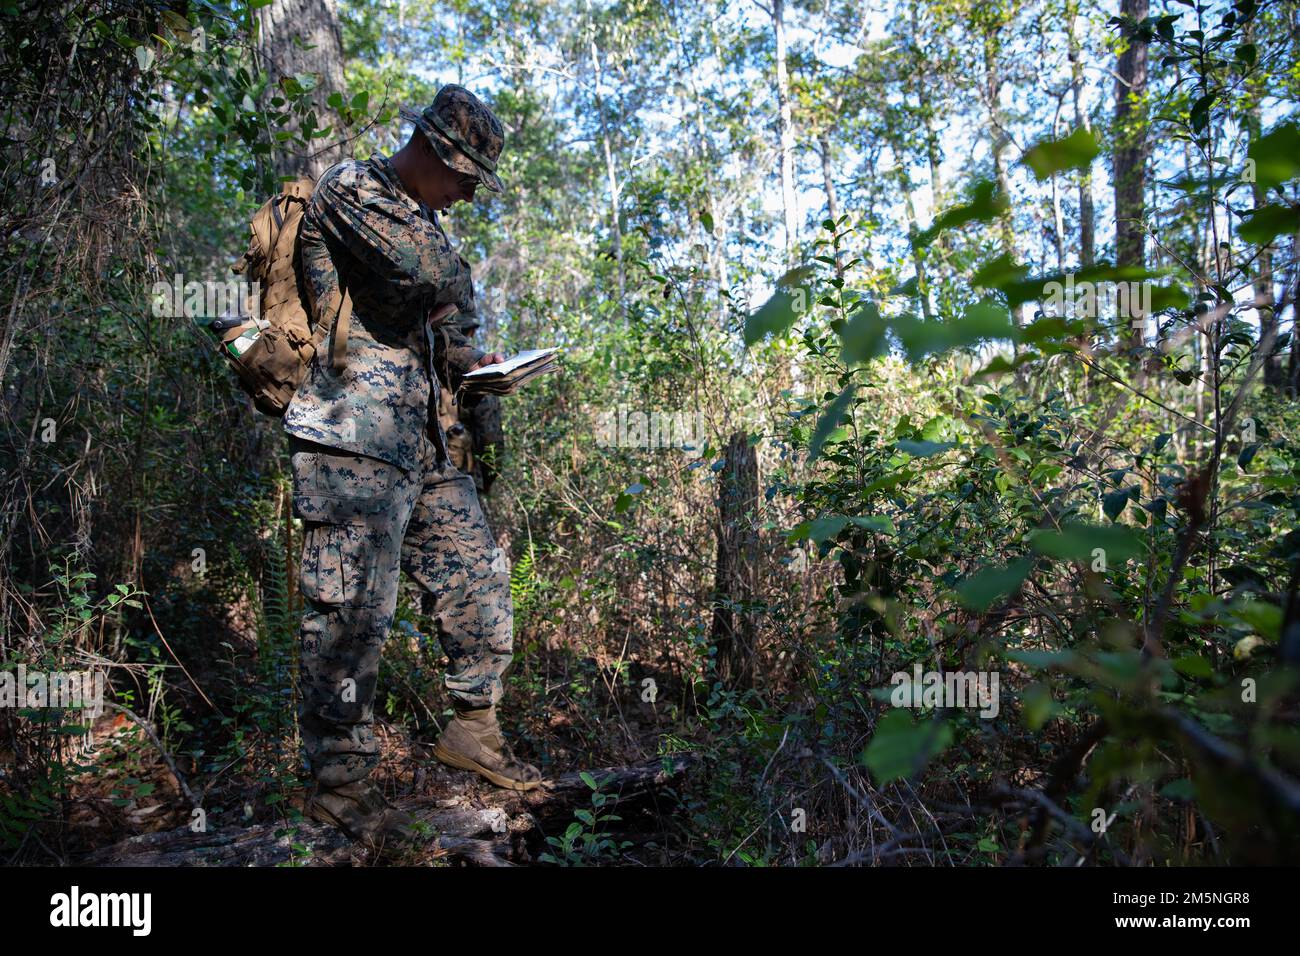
(372,478)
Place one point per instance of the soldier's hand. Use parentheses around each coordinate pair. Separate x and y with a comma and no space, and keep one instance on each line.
(491,358)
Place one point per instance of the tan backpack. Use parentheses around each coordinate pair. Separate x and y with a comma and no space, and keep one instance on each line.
(275,363)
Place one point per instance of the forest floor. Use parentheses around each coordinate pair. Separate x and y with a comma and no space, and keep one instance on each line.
(129,804)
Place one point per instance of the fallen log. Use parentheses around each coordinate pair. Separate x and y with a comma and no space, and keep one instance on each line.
(473,822)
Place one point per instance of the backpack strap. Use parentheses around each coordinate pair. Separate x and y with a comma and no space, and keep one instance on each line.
(339,328)
(339,351)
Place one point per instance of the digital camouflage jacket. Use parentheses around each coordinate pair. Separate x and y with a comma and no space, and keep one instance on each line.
(390,252)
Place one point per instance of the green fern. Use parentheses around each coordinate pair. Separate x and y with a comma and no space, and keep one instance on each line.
(523,580)
(277,626)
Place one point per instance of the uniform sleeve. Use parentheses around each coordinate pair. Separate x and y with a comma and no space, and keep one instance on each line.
(462,355)
(390,240)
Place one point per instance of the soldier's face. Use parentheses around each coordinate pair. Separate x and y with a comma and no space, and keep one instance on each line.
(465,186)
(449,186)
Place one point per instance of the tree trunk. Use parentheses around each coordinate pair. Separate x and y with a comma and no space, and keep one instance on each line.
(611,175)
(734,630)
(1087,214)
(998,141)
(1265,303)
(828,179)
(786,130)
(932,151)
(1292,382)
(918,261)
(1131,144)
(832,203)
(298,37)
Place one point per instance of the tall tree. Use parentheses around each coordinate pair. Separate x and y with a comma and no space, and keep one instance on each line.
(1087,213)
(300,47)
(1131,138)
(785,128)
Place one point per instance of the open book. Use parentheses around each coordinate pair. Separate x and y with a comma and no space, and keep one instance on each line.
(504,377)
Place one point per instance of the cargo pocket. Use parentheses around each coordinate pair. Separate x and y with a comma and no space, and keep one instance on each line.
(336,488)
(335,567)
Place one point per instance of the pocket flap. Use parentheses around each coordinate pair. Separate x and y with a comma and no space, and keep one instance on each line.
(339,487)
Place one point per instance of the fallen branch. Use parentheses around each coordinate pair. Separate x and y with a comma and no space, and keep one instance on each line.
(492,828)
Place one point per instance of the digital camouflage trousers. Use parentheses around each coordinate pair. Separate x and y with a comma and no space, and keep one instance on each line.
(365,519)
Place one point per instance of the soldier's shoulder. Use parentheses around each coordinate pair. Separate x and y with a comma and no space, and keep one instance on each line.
(353,179)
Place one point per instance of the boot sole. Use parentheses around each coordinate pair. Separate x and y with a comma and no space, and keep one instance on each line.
(461,762)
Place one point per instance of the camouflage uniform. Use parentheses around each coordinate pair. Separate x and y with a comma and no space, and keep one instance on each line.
(372,479)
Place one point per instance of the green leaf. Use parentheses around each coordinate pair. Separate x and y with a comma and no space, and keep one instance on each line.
(985,205)
(1267,222)
(863,335)
(1276,156)
(923,449)
(1051,327)
(878,523)
(888,482)
(901,747)
(827,527)
(1193,666)
(1076,151)
(775,316)
(1036,706)
(628,497)
(998,365)
(1181,790)
(909,288)
(1115,502)
(823,529)
(999,273)
(1200,111)
(983,320)
(985,587)
(1263,618)
(829,420)
(1077,542)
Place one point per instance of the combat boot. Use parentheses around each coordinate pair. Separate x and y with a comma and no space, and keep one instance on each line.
(360,811)
(473,741)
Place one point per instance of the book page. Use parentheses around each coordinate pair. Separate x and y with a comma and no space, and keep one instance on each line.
(510,364)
